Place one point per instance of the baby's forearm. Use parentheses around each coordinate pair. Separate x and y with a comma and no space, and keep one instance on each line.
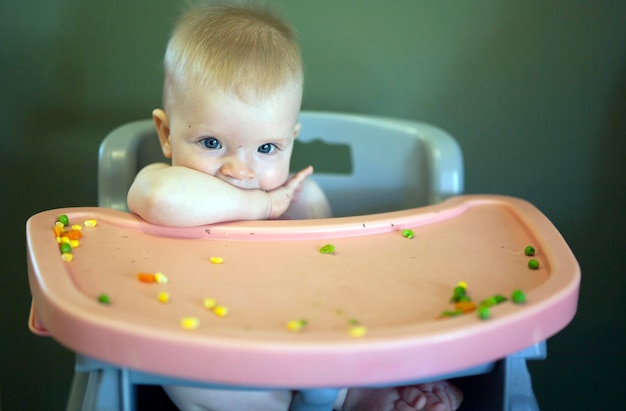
(182,197)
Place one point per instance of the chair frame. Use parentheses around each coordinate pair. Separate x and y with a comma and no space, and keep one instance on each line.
(101,386)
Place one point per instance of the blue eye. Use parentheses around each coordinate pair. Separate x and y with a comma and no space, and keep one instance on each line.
(211,142)
(266,148)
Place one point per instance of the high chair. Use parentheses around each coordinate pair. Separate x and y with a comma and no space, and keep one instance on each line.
(365,165)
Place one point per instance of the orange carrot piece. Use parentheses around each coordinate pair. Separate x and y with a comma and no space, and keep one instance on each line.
(73,234)
(145,277)
(465,306)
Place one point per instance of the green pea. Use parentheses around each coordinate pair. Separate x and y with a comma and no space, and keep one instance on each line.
(459,294)
(488,302)
(407,234)
(66,248)
(104,299)
(533,264)
(327,249)
(518,297)
(451,313)
(499,298)
(484,312)
(530,250)
(63,219)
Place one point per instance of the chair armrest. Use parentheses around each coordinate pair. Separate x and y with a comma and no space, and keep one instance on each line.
(445,161)
(118,162)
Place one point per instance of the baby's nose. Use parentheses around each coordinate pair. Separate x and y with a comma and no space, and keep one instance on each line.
(237,169)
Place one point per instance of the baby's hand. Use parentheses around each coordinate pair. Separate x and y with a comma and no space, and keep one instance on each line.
(281,197)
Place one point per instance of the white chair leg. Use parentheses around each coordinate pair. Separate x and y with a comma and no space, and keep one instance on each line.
(519,395)
(100,387)
(77,391)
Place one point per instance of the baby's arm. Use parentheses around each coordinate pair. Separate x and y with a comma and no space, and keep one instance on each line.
(183,197)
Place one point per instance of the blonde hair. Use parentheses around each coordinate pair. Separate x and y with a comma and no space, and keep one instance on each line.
(243,48)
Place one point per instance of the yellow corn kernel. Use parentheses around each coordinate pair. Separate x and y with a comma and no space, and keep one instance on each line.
(67,257)
(220,311)
(357,331)
(189,323)
(462,284)
(160,278)
(90,223)
(65,239)
(77,227)
(296,325)
(75,243)
(59,224)
(217,260)
(209,303)
(163,297)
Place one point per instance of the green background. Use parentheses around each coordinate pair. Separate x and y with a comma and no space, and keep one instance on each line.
(534,91)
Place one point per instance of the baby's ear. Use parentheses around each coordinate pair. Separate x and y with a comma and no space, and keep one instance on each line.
(296,130)
(163,129)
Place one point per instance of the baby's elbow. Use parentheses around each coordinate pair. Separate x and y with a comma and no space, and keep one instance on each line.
(148,205)
(139,206)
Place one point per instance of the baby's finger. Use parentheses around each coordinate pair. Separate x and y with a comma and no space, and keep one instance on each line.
(304,173)
(299,177)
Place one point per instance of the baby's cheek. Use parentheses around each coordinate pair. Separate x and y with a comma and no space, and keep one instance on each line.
(274,179)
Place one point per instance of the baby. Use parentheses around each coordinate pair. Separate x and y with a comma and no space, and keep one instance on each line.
(232,94)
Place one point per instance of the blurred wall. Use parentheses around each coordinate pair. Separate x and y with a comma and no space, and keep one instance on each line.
(534,91)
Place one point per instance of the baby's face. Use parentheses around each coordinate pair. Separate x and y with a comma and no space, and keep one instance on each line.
(246,143)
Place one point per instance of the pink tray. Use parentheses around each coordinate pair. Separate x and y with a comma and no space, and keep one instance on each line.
(273,272)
